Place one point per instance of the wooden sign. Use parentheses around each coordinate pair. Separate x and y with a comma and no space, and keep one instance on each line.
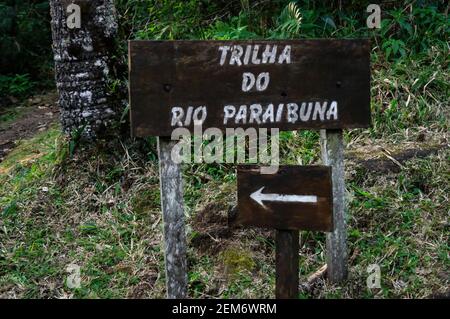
(296,197)
(290,85)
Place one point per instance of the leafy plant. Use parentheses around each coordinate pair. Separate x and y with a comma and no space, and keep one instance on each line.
(25,38)
(75,138)
(17,85)
(236,29)
(289,22)
(394,47)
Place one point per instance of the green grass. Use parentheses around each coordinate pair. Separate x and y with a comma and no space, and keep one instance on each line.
(9,115)
(54,213)
(98,206)
(17,85)
(49,223)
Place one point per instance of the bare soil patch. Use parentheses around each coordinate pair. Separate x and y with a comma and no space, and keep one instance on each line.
(34,115)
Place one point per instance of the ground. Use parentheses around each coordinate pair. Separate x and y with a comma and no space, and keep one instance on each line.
(100,210)
(97,206)
(66,204)
(24,120)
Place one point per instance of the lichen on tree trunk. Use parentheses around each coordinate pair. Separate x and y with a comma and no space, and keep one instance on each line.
(82,65)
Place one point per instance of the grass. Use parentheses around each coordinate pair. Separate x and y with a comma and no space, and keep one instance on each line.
(49,223)
(411,94)
(10,115)
(99,207)
(101,211)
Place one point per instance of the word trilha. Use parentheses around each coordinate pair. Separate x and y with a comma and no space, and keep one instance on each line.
(254,54)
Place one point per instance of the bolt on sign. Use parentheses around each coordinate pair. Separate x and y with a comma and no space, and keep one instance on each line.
(296,197)
(289,85)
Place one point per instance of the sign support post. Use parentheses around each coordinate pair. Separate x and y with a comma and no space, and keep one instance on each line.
(286,256)
(332,147)
(267,200)
(232,86)
(172,206)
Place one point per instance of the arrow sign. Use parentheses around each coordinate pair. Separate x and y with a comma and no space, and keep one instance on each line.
(296,197)
(259,197)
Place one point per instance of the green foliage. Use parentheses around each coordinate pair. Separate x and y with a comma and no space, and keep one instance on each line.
(236,260)
(407,28)
(288,23)
(394,47)
(25,38)
(146,201)
(75,138)
(407,94)
(10,210)
(104,215)
(236,29)
(18,85)
(413,29)
(166,19)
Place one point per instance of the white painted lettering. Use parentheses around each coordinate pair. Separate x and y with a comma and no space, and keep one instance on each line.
(285,56)
(255,59)
(236,55)
(269,55)
(333,111)
(248,52)
(263,81)
(319,110)
(305,113)
(248,81)
(280,112)
(187,120)
(255,113)
(223,57)
(269,114)
(199,120)
(292,115)
(228,112)
(177,115)
(241,115)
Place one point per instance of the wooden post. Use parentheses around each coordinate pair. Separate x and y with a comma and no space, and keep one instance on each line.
(286,251)
(332,146)
(171,187)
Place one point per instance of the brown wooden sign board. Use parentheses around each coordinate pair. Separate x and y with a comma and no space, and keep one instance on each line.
(296,197)
(290,85)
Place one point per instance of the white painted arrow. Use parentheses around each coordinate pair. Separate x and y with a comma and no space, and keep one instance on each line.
(259,197)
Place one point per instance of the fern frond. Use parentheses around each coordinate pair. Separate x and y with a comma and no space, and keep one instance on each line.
(294,12)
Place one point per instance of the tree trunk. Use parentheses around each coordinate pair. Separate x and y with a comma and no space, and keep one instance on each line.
(82,64)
